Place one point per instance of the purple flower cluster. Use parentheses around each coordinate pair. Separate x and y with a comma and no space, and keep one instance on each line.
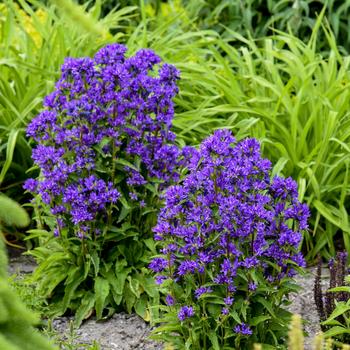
(107,122)
(243,329)
(185,312)
(169,300)
(227,216)
(202,290)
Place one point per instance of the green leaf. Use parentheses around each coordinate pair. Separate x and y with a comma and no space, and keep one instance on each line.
(124,203)
(87,304)
(235,316)
(340,289)
(151,245)
(267,305)
(279,166)
(268,347)
(340,309)
(95,261)
(129,296)
(101,294)
(326,211)
(258,319)
(11,144)
(72,283)
(337,330)
(148,284)
(169,327)
(121,273)
(214,340)
(124,162)
(134,285)
(34,233)
(141,306)
(214,310)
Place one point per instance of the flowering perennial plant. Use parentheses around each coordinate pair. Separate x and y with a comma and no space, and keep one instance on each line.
(230,238)
(108,121)
(105,150)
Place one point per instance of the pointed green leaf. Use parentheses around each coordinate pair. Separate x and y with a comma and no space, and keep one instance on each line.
(101,294)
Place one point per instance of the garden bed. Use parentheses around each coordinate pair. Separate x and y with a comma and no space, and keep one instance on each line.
(126,332)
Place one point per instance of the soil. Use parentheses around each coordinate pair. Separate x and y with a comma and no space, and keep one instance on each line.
(130,332)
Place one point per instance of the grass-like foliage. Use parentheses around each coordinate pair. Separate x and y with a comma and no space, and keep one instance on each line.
(16,322)
(260,18)
(105,150)
(229,238)
(297,102)
(255,17)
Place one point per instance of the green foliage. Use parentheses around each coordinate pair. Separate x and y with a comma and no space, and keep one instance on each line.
(34,41)
(30,296)
(16,322)
(260,18)
(28,293)
(263,310)
(277,89)
(101,275)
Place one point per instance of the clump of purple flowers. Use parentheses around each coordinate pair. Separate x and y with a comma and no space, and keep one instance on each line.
(229,232)
(185,312)
(104,136)
(243,329)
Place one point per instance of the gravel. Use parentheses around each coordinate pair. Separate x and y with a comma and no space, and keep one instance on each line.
(304,305)
(130,332)
(121,332)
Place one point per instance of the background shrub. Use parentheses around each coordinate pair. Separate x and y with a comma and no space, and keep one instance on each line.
(260,18)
